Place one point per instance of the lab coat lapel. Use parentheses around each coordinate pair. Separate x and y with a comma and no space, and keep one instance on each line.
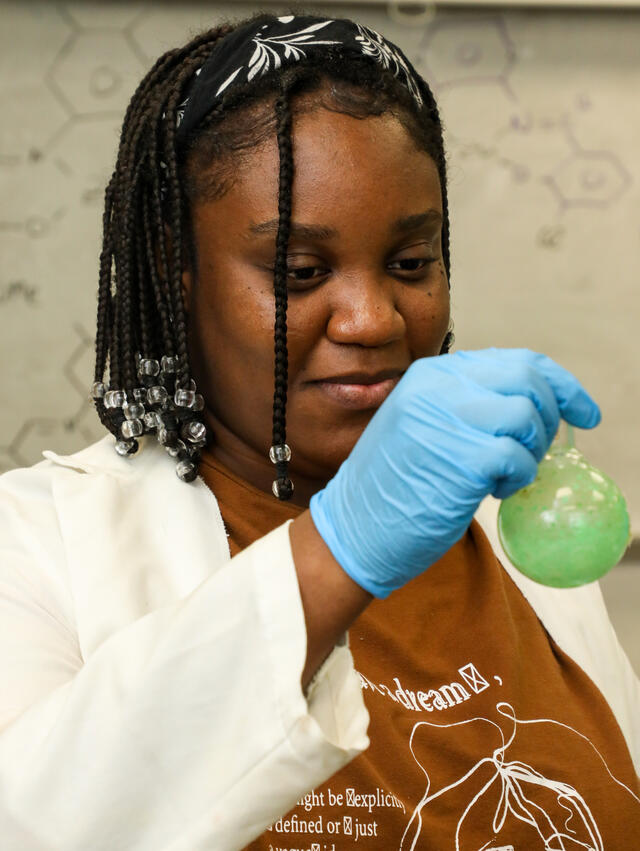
(136,537)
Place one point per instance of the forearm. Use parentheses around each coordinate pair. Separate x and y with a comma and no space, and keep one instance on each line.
(331,600)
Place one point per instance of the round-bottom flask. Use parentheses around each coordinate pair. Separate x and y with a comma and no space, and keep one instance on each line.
(570,526)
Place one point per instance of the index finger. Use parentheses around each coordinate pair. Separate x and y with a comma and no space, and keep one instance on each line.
(575,404)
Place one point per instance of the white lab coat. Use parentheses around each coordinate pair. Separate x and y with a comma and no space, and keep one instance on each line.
(150,692)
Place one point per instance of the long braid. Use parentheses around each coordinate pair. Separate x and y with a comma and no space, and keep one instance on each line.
(157,296)
(104,285)
(135,278)
(283,487)
(156,244)
(125,185)
(128,289)
(147,320)
(103,333)
(175,225)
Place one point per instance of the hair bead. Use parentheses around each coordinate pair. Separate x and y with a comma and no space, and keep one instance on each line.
(133,410)
(186,471)
(126,447)
(282,488)
(280,453)
(132,428)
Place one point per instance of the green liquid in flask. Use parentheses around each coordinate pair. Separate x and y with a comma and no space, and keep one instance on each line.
(570,526)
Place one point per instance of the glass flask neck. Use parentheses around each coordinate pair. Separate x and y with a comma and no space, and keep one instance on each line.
(564,441)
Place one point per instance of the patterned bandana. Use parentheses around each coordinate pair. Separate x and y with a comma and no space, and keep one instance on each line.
(258,48)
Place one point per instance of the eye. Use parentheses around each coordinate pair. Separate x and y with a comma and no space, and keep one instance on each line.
(413,263)
(301,274)
(304,272)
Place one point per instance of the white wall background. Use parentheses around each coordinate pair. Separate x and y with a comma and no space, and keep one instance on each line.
(542,111)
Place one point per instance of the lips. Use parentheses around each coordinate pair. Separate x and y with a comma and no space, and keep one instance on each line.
(360,391)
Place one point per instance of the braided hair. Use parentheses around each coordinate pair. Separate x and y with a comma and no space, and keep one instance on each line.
(142,363)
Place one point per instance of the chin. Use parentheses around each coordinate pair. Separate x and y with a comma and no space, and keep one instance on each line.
(320,459)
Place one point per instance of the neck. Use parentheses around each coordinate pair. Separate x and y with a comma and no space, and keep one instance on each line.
(254,466)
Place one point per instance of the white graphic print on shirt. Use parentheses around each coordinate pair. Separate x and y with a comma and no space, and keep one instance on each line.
(517,795)
(559,816)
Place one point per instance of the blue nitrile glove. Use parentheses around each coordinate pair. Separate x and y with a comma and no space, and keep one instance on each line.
(456,428)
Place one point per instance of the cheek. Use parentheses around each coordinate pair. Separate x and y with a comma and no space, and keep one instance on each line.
(234,318)
(427,314)
(307,319)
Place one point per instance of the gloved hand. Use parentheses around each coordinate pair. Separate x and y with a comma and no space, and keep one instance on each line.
(455,428)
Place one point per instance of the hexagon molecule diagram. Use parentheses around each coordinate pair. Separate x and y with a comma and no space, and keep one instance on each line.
(95,73)
(589,179)
(468,52)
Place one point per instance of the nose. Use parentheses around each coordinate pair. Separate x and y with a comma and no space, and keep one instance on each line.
(364,312)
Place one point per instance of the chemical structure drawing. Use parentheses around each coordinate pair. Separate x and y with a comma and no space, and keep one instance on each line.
(26,122)
(576,176)
(18,289)
(589,179)
(106,85)
(92,16)
(457,53)
(34,226)
(64,434)
(84,149)
(551,236)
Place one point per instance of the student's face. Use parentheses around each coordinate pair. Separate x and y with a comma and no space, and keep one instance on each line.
(368,292)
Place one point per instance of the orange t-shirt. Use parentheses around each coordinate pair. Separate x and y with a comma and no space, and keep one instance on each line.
(484,734)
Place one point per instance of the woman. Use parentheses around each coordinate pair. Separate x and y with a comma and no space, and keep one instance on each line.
(176,669)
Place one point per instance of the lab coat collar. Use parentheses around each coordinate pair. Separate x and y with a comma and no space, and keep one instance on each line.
(101,457)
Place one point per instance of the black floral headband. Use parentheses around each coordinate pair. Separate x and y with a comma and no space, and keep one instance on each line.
(260,47)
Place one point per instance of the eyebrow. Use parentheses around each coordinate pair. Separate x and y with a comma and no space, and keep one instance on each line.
(303,231)
(297,229)
(410,223)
